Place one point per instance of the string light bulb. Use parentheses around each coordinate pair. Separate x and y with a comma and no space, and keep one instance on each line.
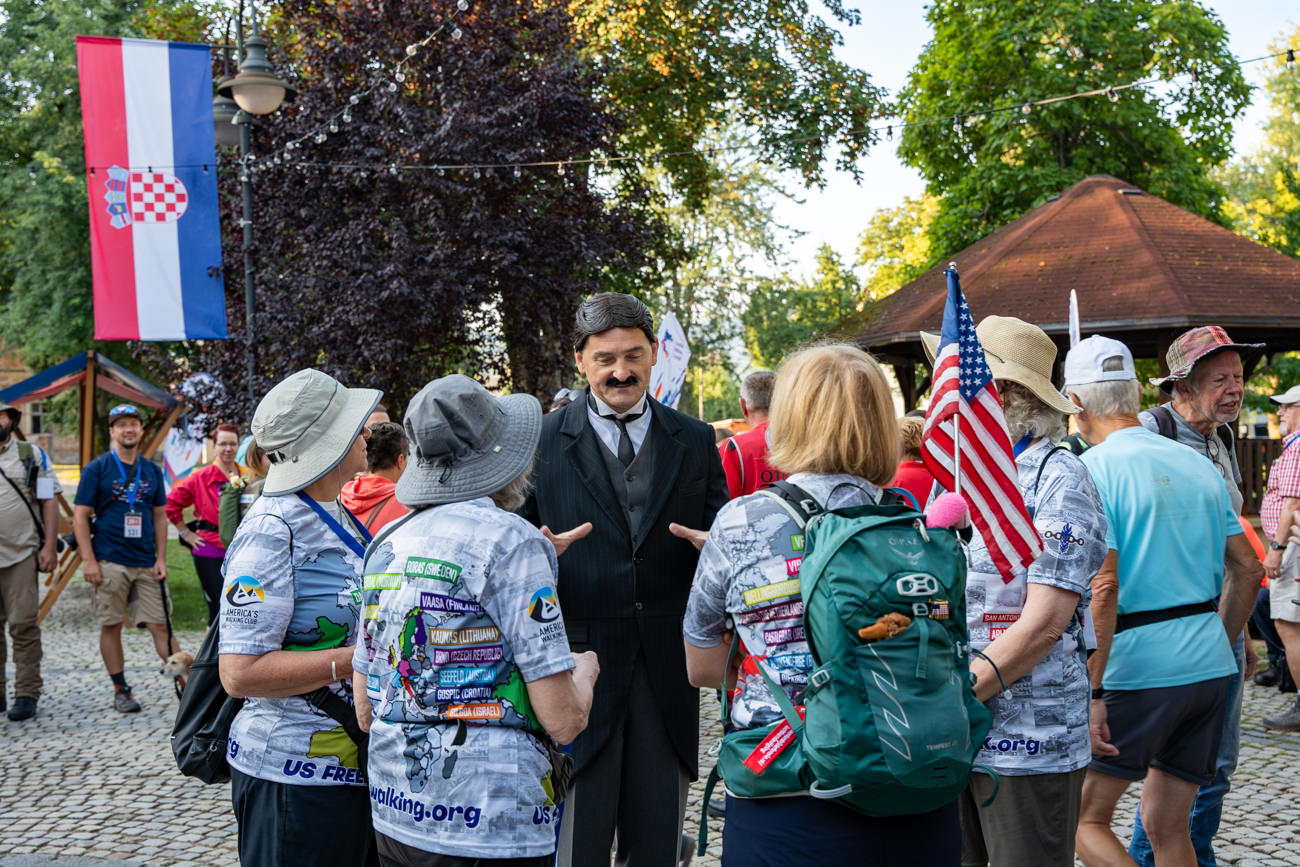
(462,5)
(320,138)
(477,174)
(412,48)
(347,116)
(518,172)
(1027,108)
(455,34)
(392,86)
(334,126)
(353,99)
(392,170)
(1112,94)
(889,133)
(560,168)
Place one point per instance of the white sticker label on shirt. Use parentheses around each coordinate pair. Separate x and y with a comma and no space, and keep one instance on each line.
(133,526)
(45,489)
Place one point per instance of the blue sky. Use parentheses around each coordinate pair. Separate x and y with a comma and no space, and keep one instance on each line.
(887,44)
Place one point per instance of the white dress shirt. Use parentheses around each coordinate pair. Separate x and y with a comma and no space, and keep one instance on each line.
(607,430)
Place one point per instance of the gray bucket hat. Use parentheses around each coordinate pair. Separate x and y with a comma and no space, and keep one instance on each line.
(306,425)
(15,414)
(465,443)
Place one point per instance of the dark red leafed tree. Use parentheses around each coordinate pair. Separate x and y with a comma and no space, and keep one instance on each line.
(390,277)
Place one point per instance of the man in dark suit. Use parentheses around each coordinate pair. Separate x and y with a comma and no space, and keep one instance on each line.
(616,459)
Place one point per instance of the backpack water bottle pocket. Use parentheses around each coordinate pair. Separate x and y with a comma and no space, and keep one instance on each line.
(764,762)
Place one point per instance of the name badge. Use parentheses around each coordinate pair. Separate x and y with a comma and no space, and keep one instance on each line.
(45,489)
(133,527)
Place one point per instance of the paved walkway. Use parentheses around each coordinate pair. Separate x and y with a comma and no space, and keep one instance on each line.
(81,785)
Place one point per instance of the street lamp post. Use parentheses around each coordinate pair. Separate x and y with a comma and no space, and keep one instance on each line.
(256,90)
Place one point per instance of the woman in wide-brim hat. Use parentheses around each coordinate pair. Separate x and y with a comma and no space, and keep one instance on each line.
(289,616)
(462,626)
(1037,617)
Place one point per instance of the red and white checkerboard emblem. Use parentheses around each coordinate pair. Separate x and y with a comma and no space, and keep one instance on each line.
(157,197)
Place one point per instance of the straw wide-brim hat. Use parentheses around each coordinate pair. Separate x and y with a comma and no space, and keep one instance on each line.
(465,443)
(306,425)
(1016,351)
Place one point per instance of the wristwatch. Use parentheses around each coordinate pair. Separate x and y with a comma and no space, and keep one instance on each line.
(1274,546)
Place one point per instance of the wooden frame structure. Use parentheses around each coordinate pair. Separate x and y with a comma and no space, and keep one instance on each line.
(92,373)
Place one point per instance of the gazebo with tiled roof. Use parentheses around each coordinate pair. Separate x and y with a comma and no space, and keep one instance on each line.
(1145,271)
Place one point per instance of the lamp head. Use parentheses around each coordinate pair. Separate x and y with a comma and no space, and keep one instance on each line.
(257,89)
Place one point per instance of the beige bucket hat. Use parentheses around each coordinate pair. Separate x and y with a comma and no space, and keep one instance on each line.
(306,425)
(1016,351)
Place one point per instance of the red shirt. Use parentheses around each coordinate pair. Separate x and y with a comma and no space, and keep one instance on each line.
(371,499)
(744,460)
(202,490)
(915,478)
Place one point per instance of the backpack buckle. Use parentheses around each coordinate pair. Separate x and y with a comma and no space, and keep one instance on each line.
(819,678)
(917,584)
(920,609)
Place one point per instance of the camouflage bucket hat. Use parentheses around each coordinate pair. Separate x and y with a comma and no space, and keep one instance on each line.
(1197,344)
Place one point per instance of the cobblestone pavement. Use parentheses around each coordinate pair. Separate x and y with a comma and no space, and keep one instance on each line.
(81,784)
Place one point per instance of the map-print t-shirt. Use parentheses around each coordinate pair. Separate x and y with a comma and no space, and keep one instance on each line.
(460,611)
(749,572)
(1043,727)
(271,603)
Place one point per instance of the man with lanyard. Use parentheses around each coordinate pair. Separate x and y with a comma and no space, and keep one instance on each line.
(29,525)
(1277,515)
(124,556)
(1206,383)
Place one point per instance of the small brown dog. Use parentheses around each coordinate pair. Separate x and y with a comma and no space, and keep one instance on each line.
(178,666)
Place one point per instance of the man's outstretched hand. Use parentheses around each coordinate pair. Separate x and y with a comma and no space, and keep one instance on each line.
(695,537)
(562,541)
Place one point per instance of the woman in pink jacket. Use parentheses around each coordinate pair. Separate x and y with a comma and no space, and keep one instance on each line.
(201,489)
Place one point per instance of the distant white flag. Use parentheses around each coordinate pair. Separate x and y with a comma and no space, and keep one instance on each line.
(1074,318)
(669,373)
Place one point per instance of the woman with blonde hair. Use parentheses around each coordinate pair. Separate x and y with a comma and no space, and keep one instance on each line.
(833,431)
(241,493)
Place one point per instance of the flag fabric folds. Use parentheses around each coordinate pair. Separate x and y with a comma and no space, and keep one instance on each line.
(964,394)
(155,238)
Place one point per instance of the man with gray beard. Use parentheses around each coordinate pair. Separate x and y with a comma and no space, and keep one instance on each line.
(1032,629)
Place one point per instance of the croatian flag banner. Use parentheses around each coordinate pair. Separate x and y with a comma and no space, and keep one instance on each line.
(155,239)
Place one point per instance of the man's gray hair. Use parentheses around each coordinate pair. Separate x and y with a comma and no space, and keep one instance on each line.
(756,389)
(608,310)
(1027,415)
(1109,399)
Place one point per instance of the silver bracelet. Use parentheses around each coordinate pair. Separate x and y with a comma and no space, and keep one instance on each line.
(334,669)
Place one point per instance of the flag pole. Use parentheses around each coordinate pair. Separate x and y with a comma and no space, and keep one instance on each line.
(956,425)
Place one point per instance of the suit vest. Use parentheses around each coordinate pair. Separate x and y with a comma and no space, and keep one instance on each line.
(631,483)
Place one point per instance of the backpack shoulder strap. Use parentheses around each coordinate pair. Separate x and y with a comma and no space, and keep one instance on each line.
(899,497)
(26,455)
(740,459)
(374,513)
(1165,425)
(1225,435)
(801,505)
(1038,478)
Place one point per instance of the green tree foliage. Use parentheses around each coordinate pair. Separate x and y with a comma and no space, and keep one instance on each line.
(784,313)
(895,246)
(1264,186)
(45,291)
(711,255)
(1163,137)
(770,68)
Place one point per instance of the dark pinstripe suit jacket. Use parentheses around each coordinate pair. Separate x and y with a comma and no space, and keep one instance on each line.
(619,594)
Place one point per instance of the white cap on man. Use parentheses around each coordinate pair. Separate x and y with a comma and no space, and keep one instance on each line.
(1288,397)
(1098,359)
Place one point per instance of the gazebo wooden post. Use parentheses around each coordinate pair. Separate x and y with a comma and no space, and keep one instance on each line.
(905,373)
(87,438)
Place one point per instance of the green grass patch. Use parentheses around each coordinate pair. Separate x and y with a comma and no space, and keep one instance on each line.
(189,611)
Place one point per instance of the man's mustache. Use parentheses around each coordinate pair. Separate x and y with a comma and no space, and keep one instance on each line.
(615,382)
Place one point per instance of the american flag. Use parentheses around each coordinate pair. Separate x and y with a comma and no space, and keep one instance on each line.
(964,393)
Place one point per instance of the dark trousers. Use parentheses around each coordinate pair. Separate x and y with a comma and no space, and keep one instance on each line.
(394,853)
(1262,619)
(777,832)
(635,786)
(282,825)
(209,572)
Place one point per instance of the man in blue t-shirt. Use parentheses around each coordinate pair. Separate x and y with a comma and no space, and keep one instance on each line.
(1178,580)
(125,558)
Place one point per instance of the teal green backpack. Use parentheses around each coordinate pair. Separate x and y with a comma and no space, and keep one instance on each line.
(889,727)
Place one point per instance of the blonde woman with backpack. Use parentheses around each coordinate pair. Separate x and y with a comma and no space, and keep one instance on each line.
(833,430)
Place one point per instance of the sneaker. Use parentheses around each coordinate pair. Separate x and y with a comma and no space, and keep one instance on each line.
(1287,721)
(123,703)
(24,708)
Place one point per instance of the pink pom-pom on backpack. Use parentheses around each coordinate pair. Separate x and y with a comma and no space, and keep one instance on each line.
(948,511)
